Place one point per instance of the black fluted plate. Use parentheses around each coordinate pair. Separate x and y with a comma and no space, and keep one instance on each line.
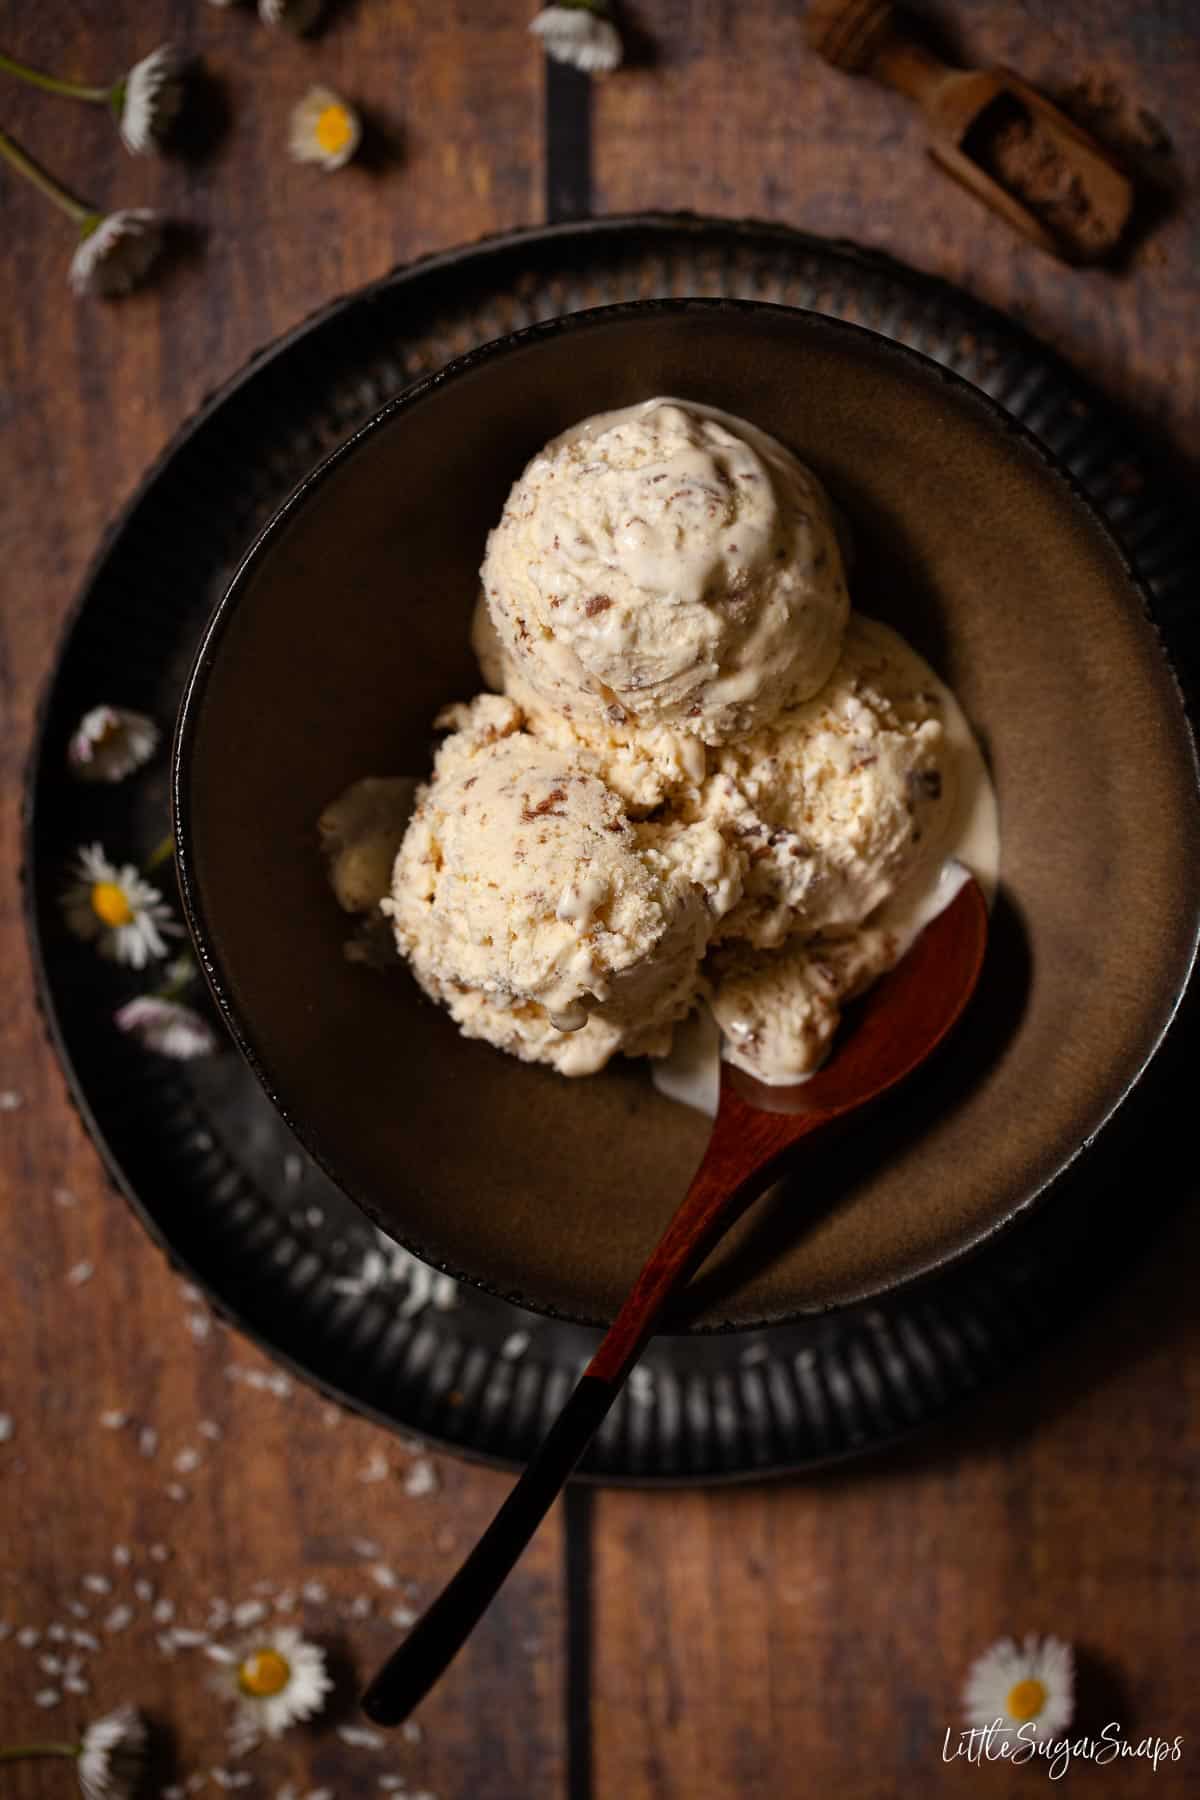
(213,1173)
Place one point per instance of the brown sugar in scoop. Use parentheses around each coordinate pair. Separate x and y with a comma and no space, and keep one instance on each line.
(993,132)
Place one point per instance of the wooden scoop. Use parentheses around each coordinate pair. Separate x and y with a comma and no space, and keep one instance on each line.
(900,1022)
(994,133)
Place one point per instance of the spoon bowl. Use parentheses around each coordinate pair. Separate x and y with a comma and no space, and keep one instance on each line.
(899,1024)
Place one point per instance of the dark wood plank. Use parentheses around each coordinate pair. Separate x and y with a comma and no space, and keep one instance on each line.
(816,1635)
(90,394)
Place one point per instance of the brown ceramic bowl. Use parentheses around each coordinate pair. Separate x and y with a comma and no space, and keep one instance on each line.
(345,630)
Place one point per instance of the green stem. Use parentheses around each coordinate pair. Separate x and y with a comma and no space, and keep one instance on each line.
(161,853)
(53,84)
(53,190)
(19,1752)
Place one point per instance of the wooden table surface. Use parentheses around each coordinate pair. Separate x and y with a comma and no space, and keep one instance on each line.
(802,1638)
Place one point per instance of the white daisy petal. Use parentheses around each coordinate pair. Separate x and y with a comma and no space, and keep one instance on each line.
(1030,1685)
(149,98)
(167,1027)
(579,36)
(117,910)
(116,252)
(111,1755)
(110,743)
(296,15)
(324,129)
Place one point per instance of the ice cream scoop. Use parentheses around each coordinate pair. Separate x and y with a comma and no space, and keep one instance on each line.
(530,906)
(667,565)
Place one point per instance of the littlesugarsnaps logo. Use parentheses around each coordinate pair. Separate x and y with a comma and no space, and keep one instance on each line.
(1019,1744)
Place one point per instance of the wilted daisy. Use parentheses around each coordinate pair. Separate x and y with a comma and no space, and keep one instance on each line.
(115,249)
(144,102)
(118,910)
(110,743)
(296,15)
(324,129)
(109,1756)
(276,1680)
(147,100)
(167,1027)
(116,252)
(581,34)
(1032,1684)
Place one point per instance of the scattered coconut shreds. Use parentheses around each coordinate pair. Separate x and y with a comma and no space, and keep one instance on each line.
(249,1613)
(122,1555)
(50,1665)
(361,1737)
(421,1479)
(384,1577)
(163,1612)
(176,1491)
(6,1427)
(148,1441)
(387,1265)
(364,1546)
(114,1419)
(96,1584)
(10,1100)
(29,1637)
(86,1640)
(78,1610)
(143,1590)
(80,1272)
(119,1618)
(75,1684)
(62,1196)
(361,1607)
(375,1468)
(200,1325)
(515,1345)
(184,1637)
(391,1784)
(58,1634)
(411,1731)
(314,1592)
(402,1617)
(47,1697)
(159,1553)
(208,1428)
(186,1460)
(330,1416)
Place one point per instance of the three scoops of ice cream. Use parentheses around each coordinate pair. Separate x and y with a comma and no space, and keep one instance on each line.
(698,779)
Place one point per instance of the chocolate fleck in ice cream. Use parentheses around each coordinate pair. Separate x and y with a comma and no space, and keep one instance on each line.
(700,780)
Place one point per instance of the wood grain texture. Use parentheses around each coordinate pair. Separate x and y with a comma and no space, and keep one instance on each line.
(804,1638)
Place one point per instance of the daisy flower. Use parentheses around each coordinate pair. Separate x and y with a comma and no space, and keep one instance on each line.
(115,249)
(297,15)
(167,1027)
(110,743)
(147,100)
(276,1680)
(117,910)
(580,34)
(111,1755)
(116,252)
(1030,1685)
(144,102)
(324,129)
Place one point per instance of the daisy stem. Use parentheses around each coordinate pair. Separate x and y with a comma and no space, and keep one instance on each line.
(53,190)
(53,84)
(19,1752)
(161,853)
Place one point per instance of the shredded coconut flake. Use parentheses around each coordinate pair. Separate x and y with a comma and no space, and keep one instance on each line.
(80,1272)
(361,1737)
(421,1479)
(47,1697)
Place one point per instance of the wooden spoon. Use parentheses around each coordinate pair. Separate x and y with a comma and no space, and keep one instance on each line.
(900,1022)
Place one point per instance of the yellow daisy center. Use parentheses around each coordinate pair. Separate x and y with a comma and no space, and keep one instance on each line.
(110,904)
(263,1674)
(333,129)
(1026,1700)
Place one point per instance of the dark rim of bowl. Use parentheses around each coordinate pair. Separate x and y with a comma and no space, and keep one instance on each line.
(196,682)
